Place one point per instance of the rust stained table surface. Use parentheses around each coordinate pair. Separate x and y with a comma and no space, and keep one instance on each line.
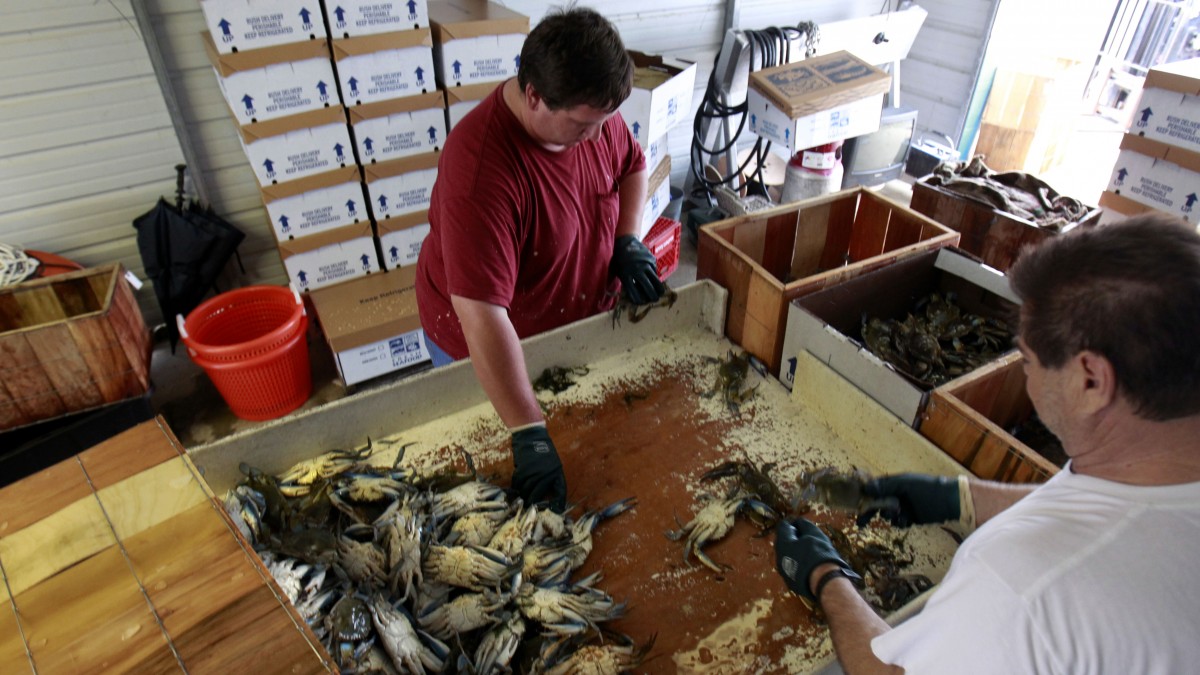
(120,560)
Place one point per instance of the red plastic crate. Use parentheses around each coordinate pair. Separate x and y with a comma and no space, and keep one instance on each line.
(663,242)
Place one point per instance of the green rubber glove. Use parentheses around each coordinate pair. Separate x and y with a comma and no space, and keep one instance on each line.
(922,499)
(637,269)
(537,471)
(799,547)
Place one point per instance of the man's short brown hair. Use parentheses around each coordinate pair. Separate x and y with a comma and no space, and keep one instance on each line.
(574,56)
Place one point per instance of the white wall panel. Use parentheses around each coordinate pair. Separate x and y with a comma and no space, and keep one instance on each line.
(86,143)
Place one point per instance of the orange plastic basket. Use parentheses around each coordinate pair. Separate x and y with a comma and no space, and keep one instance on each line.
(251,344)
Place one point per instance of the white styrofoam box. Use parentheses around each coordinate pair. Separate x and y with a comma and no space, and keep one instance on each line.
(317,203)
(663,100)
(1158,175)
(476,41)
(789,136)
(329,257)
(401,186)
(273,82)
(354,18)
(400,127)
(292,147)
(384,66)
(1170,107)
(464,99)
(658,194)
(372,324)
(239,25)
(401,237)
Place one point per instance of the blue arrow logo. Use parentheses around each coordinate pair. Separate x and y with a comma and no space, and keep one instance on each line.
(517,61)
(637,129)
(432,135)
(341,15)
(412,9)
(337,149)
(420,75)
(304,16)
(303,276)
(382,203)
(1191,201)
(1121,174)
(350,207)
(787,135)
(353,82)
(366,261)
(283,223)
(249,101)
(322,89)
(753,122)
(457,69)
(368,144)
(1146,113)
(226,34)
(395,253)
(270,167)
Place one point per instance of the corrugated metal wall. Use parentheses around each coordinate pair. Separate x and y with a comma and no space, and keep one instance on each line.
(86,143)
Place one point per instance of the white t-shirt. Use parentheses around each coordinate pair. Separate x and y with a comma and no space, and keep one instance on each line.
(1081,576)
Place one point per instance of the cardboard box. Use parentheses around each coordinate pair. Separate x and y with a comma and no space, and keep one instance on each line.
(655,150)
(400,238)
(292,147)
(661,96)
(971,418)
(827,323)
(265,84)
(355,18)
(1158,175)
(326,201)
(239,25)
(768,258)
(995,236)
(372,325)
(658,193)
(400,127)
(1123,205)
(462,100)
(330,257)
(384,66)
(814,101)
(1169,110)
(401,186)
(475,41)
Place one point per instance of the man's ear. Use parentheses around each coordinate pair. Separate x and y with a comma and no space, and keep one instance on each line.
(1096,385)
(532,98)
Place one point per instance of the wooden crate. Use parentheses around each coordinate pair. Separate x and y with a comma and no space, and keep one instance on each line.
(68,343)
(968,418)
(994,236)
(122,560)
(768,258)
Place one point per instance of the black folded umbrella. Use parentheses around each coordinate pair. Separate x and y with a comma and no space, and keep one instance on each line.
(184,247)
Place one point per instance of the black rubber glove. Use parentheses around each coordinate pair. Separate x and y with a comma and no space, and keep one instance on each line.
(923,499)
(799,547)
(637,269)
(537,471)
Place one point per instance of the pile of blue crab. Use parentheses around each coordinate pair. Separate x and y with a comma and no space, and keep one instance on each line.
(397,572)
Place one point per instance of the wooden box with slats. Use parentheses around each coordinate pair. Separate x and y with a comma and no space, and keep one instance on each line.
(768,258)
(68,343)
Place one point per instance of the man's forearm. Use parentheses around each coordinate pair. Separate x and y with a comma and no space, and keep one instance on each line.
(991,498)
(498,360)
(852,626)
(632,195)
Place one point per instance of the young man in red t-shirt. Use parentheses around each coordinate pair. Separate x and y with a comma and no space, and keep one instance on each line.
(535,210)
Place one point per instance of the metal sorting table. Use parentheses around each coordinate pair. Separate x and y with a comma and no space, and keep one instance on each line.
(640,423)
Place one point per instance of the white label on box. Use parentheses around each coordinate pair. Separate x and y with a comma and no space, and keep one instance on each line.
(655,204)
(401,248)
(655,151)
(280,89)
(459,110)
(379,358)
(317,210)
(352,18)
(487,58)
(406,193)
(845,121)
(1157,183)
(650,113)
(330,264)
(299,153)
(238,25)
(387,74)
(400,135)
(1170,117)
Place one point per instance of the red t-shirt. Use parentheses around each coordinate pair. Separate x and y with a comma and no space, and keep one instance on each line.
(516,225)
